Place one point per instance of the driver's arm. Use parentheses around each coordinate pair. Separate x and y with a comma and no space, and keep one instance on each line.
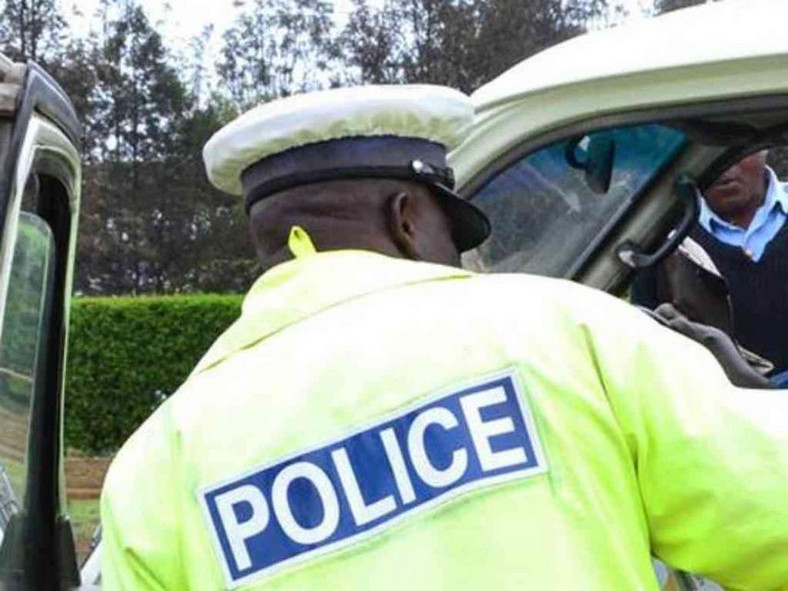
(718,343)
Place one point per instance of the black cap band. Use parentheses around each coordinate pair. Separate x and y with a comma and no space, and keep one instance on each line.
(347,158)
(385,157)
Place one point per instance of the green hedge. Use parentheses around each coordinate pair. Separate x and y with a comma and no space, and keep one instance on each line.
(126,355)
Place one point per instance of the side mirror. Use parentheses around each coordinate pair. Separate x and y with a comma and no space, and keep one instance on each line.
(594,155)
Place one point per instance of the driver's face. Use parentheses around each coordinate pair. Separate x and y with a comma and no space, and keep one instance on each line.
(739,189)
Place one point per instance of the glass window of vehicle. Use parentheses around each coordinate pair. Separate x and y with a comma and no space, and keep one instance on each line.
(548,207)
(28,288)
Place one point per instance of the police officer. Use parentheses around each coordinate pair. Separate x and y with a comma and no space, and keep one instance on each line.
(378,418)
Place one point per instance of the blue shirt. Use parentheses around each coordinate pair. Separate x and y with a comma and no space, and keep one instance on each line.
(765,225)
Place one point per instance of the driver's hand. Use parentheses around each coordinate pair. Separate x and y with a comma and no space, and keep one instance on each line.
(720,344)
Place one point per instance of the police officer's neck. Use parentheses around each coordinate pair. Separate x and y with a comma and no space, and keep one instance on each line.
(283,253)
(386,217)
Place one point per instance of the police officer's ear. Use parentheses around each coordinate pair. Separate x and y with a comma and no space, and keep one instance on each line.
(402,224)
(419,228)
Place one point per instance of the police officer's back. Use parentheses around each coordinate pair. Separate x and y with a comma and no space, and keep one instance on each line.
(376,422)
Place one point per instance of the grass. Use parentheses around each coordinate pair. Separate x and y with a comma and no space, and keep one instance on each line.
(84,514)
(16,475)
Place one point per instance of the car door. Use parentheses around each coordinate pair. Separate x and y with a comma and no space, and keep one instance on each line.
(587,156)
(39,201)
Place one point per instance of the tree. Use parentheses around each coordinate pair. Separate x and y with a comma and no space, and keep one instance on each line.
(31,29)
(143,97)
(173,232)
(151,222)
(459,43)
(75,69)
(139,102)
(662,6)
(374,44)
(275,48)
(194,68)
(512,30)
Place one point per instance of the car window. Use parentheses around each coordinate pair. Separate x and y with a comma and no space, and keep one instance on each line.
(19,345)
(549,206)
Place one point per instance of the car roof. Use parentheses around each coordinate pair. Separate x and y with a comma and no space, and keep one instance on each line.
(718,32)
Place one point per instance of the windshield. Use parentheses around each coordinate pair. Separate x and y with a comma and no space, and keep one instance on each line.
(547,208)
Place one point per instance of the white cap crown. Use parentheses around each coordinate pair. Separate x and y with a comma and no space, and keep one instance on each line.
(435,113)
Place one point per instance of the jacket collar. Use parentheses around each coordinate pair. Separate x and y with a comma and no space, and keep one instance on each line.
(310,283)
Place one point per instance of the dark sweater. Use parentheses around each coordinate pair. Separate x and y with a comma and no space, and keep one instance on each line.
(759,293)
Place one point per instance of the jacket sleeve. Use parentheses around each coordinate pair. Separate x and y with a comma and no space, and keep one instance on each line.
(139,515)
(711,459)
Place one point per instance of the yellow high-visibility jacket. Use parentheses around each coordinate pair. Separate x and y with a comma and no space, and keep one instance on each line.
(375,423)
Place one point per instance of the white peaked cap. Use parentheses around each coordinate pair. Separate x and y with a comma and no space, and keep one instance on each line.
(435,113)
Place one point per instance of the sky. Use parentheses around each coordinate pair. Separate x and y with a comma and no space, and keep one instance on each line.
(183,20)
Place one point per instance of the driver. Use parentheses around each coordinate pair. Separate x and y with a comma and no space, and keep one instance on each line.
(742,230)
(742,227)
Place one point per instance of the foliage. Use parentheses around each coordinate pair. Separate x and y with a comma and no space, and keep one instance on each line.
(31,29)
(151,223)
(126,355)
(459,43)
(372,46)
(85,516)
(143,98)
(174,233)
(662,6)
(276,47)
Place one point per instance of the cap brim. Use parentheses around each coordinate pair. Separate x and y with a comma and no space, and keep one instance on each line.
(470,226)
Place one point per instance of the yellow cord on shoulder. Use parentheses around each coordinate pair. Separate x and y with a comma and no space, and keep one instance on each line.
(299,242)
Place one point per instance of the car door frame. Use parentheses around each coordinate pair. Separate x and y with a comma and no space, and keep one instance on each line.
(41,136)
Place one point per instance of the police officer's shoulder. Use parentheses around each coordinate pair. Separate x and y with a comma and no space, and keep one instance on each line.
(521,294)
